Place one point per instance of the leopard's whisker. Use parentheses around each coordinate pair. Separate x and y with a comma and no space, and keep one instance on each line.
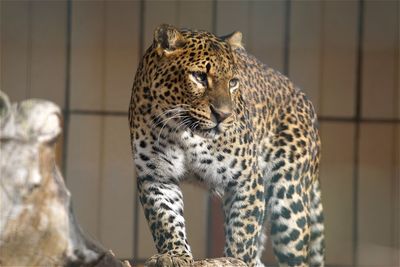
(165,123)
(183,123)
(174,111)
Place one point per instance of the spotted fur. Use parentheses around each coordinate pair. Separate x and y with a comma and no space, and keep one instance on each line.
(202,107)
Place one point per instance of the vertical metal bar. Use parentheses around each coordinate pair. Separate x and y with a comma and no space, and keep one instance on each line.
(209,226)
(29,51)
(396,147)
(286,41)
(209,243)
(214,16)
(358,110)
(67,93)
(102,119)
(136,199)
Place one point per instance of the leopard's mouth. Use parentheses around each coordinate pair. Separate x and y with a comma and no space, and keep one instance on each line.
(196,126)
(212,132)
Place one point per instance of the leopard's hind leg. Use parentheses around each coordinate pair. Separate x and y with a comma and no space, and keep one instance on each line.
(317,241)
(288,215)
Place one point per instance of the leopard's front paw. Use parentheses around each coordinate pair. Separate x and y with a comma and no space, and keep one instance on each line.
(166,260)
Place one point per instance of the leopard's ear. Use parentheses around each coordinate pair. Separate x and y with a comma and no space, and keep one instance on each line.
(234,39)
(168,39)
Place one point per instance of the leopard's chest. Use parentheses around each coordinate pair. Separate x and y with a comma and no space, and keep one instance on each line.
(212,161)
(215,161)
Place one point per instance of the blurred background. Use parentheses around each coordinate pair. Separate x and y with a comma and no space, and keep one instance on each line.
(345,54)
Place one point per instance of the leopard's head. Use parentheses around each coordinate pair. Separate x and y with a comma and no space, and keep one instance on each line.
(194,78)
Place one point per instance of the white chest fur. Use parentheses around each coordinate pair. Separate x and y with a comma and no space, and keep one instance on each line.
(203,158)
(189,153)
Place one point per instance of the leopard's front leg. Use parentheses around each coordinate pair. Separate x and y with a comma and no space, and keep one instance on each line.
(244,205)
(163,207)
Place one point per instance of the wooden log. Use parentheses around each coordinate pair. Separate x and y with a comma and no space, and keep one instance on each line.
(37,225)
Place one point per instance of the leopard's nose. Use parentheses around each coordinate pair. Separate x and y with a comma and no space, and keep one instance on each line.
(218,115)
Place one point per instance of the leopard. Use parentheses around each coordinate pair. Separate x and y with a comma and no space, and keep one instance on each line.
(202,108)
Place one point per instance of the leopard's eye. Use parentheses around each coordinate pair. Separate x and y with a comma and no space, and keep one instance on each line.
(200,77)
(233,85)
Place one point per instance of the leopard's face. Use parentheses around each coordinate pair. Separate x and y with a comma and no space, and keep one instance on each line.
(196,82)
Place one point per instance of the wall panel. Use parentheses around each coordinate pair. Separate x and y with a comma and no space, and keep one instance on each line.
(266,32)
(84,170)
(48,55)
(336,176)
(87,55)
(376,198)
(216,229)
(196,14)
(338,52)
(117,188)
(262,25)
(105,54)
(196,207)
(380,94)
(232,16)
(305,47)
(15,49)
(121,54)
